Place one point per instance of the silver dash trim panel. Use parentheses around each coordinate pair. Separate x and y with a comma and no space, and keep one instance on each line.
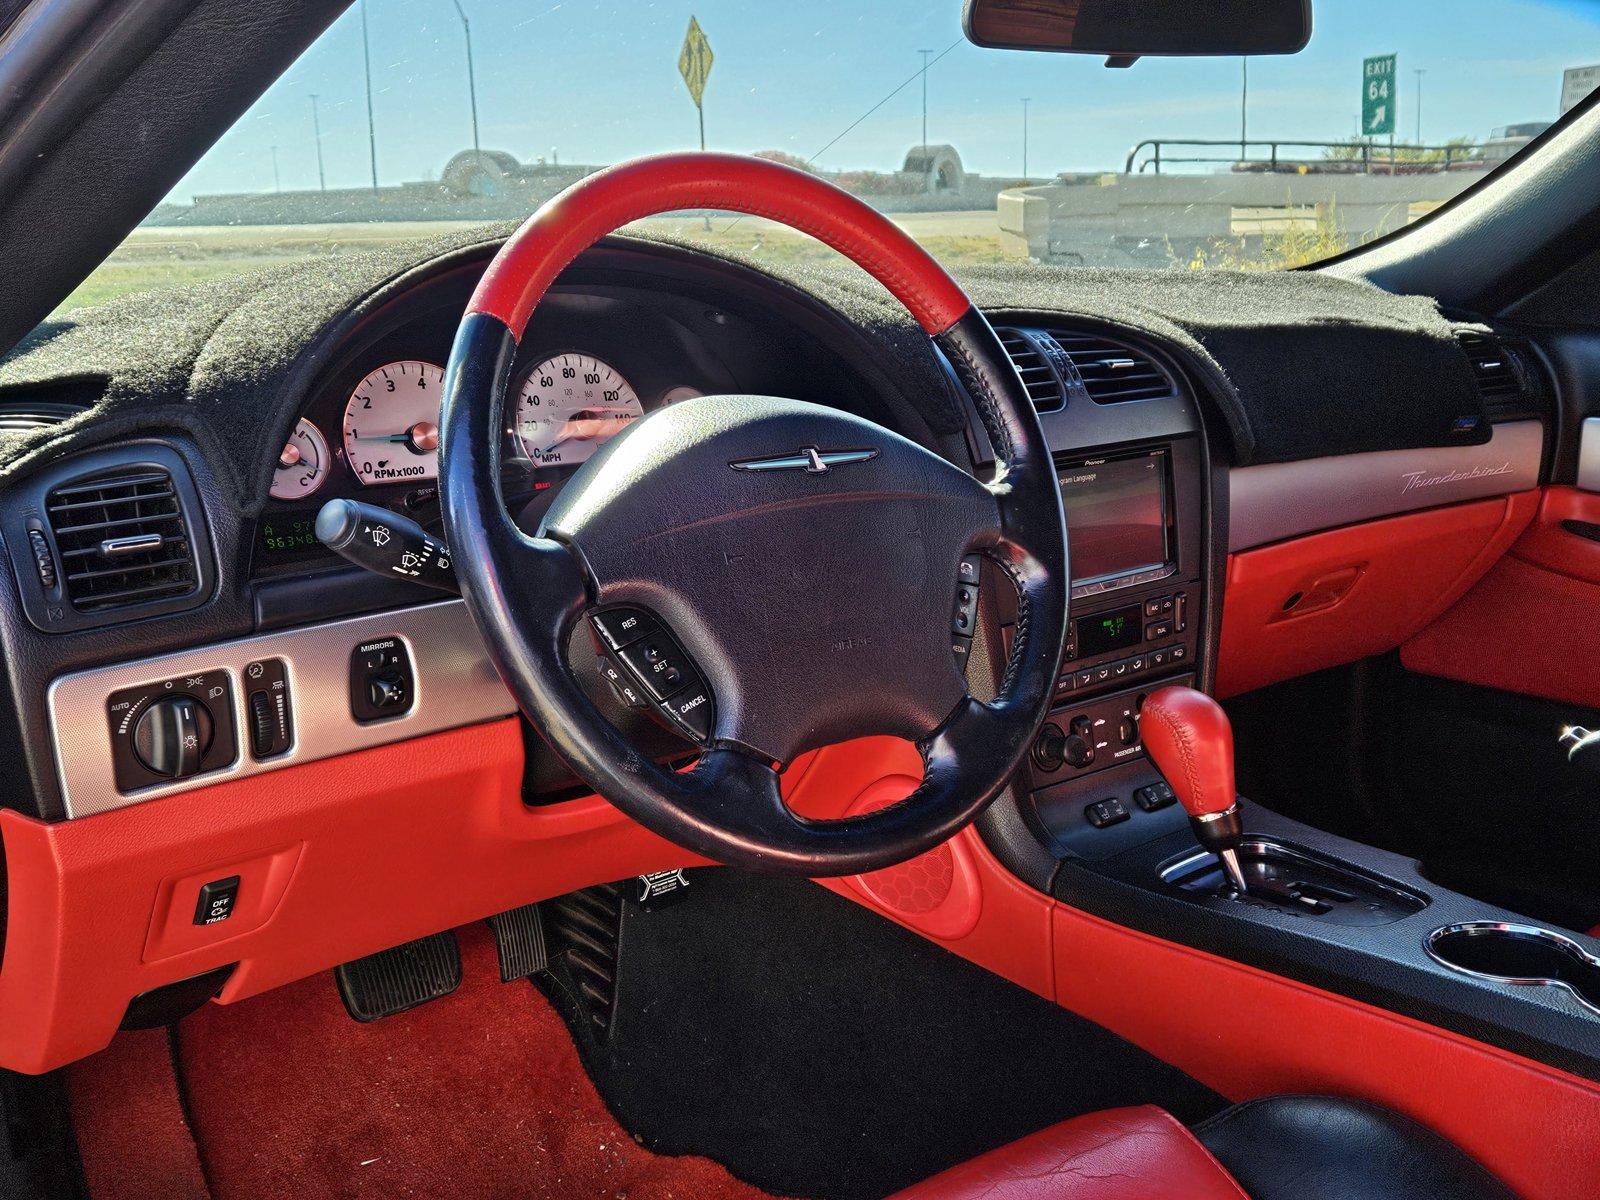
(1589,455)
(1283,500)
(456,685)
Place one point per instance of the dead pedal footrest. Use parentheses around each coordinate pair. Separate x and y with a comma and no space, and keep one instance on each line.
(519,942)
(392,981)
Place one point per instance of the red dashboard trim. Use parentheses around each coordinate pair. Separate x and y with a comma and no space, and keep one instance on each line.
(1363,589)
(603,202)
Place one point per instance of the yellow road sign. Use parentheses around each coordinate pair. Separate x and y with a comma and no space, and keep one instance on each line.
(694,60)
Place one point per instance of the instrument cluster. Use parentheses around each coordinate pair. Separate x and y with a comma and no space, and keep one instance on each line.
(565,408)
(370,432)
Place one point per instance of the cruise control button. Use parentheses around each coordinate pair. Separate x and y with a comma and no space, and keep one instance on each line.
(659,664)
(619,627)
(621,684)
(693,711)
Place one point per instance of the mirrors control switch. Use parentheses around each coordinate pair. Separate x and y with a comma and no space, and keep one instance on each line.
(382,683)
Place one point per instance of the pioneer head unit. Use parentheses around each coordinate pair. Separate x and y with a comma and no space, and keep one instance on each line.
(1120,523)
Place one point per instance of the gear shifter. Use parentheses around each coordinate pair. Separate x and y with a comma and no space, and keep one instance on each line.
(1188,737)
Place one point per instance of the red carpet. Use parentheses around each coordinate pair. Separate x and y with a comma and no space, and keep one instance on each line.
(478,1095)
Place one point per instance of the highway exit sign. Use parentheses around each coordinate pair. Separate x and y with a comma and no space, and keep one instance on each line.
(1378,95)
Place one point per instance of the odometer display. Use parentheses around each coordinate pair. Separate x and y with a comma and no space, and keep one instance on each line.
(569,406)
(391,424)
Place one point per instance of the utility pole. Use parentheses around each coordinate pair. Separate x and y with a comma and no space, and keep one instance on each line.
(472,82)
(927,167)
(1244,108)
(316,130)
(1419,72)
(372,132)
(1025,102)
(277,184)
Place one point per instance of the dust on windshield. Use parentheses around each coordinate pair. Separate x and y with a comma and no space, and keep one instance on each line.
(413,117)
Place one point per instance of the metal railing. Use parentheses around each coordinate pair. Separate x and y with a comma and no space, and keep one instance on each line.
(1367,157)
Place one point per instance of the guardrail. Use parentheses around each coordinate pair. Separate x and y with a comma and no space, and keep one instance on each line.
(1366,157)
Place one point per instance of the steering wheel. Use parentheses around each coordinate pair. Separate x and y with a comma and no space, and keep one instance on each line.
(786,573)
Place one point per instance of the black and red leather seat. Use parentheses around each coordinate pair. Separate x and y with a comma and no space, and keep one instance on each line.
(1279,1148)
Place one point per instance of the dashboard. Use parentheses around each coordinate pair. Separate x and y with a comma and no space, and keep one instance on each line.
(349,733)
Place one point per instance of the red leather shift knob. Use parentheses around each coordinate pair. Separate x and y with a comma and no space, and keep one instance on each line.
(1188,737)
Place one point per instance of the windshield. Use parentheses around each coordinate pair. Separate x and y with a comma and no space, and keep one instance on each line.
(415,116)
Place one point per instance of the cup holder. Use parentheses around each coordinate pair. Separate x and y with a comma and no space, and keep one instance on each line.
(1520,954)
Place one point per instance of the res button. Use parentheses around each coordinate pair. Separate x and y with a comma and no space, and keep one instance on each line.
(619,627)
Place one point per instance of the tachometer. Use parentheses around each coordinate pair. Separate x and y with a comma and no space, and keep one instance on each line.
(569,405)
(303,465)
(391,424)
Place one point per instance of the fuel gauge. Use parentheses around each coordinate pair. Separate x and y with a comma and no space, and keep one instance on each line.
(303,465)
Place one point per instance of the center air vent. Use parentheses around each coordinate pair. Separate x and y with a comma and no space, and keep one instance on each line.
(1054,363)
(1493,368)
(122,540)
(1507,373)
(1045,387)
(1112,371)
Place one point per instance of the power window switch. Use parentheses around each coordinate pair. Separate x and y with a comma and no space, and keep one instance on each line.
(216,901)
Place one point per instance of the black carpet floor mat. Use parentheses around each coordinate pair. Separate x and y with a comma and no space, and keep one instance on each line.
(818,1050)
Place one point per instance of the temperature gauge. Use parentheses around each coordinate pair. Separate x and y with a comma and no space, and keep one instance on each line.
(303,465)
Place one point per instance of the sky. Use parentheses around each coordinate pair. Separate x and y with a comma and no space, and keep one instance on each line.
(596,81)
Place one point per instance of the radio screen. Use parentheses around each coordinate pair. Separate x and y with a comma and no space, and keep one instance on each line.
(1116,516)
(1113,630)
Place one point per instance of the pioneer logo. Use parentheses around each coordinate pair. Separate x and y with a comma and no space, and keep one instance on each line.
(1413,481)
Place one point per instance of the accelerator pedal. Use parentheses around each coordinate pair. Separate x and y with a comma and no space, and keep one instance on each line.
(519,942)
(392,981)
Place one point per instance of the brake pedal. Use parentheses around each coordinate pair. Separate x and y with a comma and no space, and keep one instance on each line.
(519,942)
(392,981)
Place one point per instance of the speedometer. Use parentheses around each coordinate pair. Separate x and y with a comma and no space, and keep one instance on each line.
(391,423)
(569,405)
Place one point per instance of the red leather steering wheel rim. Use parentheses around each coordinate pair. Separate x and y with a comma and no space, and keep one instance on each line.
(547,242)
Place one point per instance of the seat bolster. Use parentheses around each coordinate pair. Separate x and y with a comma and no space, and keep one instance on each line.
(1120,1154)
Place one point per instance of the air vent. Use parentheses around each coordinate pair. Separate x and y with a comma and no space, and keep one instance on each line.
(19,416)
(1112,372)
(122,539)
(1038,376)
(1492,366)
(37,407)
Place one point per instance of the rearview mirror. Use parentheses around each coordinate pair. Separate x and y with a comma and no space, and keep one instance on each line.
(1124,30)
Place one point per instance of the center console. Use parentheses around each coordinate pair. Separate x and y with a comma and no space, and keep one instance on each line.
(1137,552)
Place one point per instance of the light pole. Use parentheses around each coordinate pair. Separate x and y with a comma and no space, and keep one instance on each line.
(1244,108)
(1419,72)
(277,184)
(1025,102)
(316,129)
(472,82)
(927,167)
(372,133)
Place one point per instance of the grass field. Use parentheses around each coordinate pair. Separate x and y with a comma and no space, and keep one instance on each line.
(170,257)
